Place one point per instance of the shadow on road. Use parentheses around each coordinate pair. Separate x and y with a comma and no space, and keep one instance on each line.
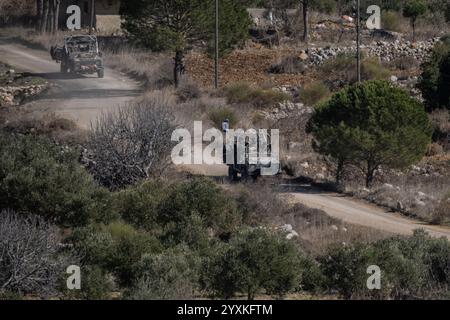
(94,93)
(300,188)
(55,75)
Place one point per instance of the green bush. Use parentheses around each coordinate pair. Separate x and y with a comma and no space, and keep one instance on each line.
(203,197)
(41,178)
(371,69)
(314,93)
(413,267)
(116,248)
(254,260)
(342,69)
(244,93)
(434,81)
(138,205)
(391,21)
(217,116)
(95,285)
(169,275)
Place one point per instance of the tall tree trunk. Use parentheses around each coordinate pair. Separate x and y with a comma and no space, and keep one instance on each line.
(51,16)
(369,175)
(43,27)
(39,12)
(56,5)
(414,29)
(339,169)
(305,9)
(178,67)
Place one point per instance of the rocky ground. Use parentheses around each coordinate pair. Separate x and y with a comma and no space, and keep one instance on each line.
(15,87)
(255,64)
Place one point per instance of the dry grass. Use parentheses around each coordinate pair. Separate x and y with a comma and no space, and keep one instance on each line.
(317,231)
(418,192)
(154,68)
(58,129)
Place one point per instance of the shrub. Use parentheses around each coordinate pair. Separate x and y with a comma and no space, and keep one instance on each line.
(289,65)
(95,284)
(371,69)
(203,197)
(314,93)
(169,275)
(239,92)
(30,258)
(413,267)
(441,213)
(132,142)
(434,149)
(342,70)
(217,116)
(117,248)
(243,93)
(254,260)
(39,177)
(371,124)
(391,21)
(403,63)
(188,91)
(431,81)
(139,205)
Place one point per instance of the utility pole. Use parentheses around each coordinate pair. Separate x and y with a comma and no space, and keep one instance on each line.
(216,58)
(91,22)
(358,40)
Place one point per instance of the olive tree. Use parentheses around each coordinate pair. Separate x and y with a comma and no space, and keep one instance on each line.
(371,125)
(254,260)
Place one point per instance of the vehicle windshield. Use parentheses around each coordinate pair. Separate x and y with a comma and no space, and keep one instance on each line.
(81,44)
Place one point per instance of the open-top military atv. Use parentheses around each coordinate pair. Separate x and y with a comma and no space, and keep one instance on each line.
(79,55)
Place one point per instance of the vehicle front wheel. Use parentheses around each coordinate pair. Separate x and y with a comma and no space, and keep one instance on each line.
(101,73)
(63,68)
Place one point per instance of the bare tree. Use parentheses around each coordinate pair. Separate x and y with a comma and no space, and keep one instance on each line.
(131,142)
(29,254)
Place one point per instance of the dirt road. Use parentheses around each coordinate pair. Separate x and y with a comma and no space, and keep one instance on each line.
(80,97)
(359,212)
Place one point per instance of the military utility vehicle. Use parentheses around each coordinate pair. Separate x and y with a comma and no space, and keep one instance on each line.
(79,55)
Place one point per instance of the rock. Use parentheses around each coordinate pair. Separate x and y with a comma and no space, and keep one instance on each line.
(344,229)
(305,165)
(320,176)
(419,203)
(394,78)
(387,186)
(286,228)
(291,235)
(334,227)
(421,195)
(303,56)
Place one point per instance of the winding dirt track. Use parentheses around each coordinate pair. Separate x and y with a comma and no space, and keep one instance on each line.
(82,98)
